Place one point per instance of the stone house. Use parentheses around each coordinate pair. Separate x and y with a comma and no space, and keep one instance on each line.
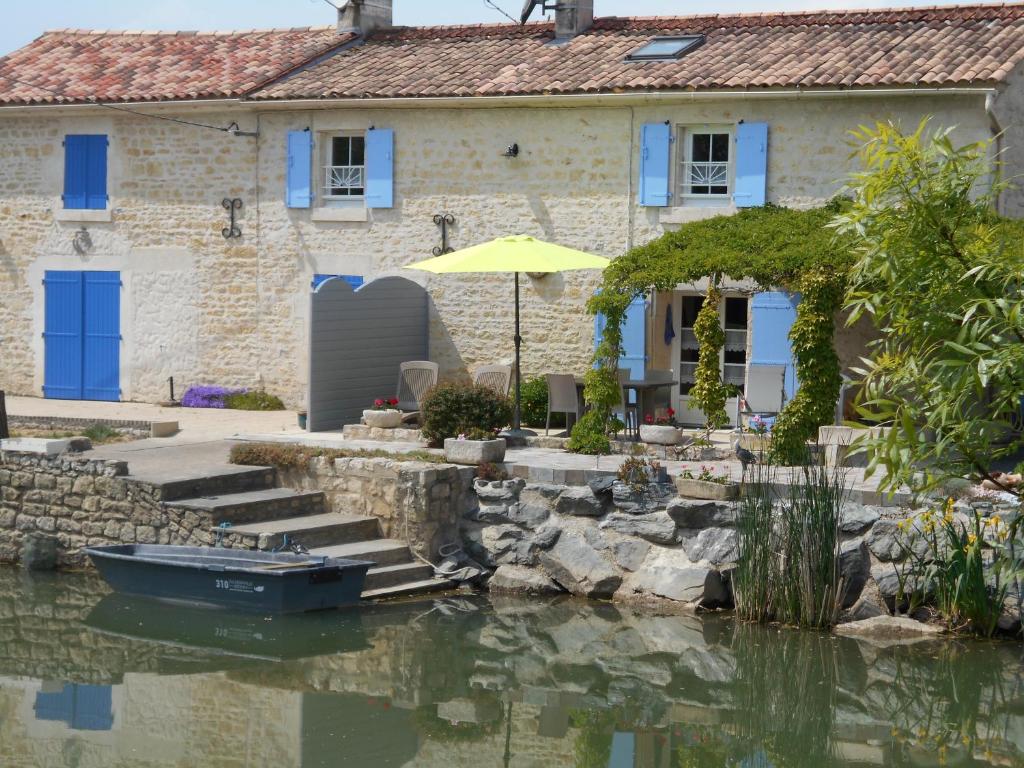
(124,262)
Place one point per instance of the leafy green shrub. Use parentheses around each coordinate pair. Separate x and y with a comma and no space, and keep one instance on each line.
(534,407)
(254,401)
(291,456)
(588,436)
(709,392)
(451,409)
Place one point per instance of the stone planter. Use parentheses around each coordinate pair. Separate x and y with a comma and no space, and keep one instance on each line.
(705,489)
(659,434)
(387,419)
(473,452)
(756,443)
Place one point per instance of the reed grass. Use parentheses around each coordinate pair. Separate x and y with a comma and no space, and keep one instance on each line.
(788,568)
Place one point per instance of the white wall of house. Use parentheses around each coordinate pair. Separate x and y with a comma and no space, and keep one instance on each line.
(208,310)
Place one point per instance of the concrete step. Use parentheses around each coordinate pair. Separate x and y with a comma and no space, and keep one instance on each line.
(382,577)
(222,481)
(311,531)
(381,552)
(408,589)
(255,506)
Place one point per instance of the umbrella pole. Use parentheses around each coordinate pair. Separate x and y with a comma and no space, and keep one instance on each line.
(518,340)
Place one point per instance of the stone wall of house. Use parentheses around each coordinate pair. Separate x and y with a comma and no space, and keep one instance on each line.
(209,310)
(83,503)
(416,502)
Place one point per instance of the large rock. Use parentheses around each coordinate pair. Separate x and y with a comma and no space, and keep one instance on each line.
(887,580)
(698,514)
(517,579)
(714,545)
(854,569)
(696,584)
(579,502)
(629,555)
(656,527)
(857,517)
(888,543)
(528,515)
(654,496)
(498,491)
(580,568)
(888,628)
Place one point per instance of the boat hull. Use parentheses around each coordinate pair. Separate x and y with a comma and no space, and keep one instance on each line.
(264,582)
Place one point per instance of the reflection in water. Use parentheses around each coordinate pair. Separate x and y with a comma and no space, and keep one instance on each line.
(86,681)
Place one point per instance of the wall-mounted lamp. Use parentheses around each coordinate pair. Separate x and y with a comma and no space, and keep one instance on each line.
(512,150)
(82,241)
(235,130)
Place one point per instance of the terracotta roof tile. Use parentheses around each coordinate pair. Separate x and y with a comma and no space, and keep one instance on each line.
(935,46)
(73,66)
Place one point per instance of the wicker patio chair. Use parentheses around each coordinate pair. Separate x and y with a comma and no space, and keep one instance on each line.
(496,377)
(415,379)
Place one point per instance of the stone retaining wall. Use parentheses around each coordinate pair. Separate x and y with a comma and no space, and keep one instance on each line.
(85,502)
(417,502)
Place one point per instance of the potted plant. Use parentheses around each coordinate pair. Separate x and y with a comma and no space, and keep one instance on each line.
(757,435)
(474,447)
(707,484)
(660,430)
(383,415)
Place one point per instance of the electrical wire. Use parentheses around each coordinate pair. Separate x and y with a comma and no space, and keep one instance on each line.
(502,11)
(233,128)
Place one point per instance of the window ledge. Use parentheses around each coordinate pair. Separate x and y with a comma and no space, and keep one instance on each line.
(340,214)
(683,214)
(84,215)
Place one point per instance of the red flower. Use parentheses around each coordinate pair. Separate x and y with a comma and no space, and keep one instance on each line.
(649,419)
(393,401)
(671,412)
(378,402)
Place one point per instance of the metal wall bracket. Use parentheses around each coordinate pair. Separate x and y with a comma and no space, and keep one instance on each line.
(444,221)
(232,206)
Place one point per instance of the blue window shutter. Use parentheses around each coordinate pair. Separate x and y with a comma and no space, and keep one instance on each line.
(354,280)
(751,165)
(85,172)
(101,361)
(380,168)
(93,708)
(58,706)
(655,164)
(76,171)
(96,173)
(772,317)
(62,335)
(634,339)
(299,176)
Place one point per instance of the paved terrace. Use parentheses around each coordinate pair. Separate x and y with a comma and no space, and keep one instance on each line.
(206,436)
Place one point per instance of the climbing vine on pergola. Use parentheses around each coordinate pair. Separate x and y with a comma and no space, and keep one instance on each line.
(773,247)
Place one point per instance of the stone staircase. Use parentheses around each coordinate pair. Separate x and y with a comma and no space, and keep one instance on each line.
(257,515)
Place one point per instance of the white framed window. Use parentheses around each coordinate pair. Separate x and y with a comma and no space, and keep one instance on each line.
(705,163)
(343,170)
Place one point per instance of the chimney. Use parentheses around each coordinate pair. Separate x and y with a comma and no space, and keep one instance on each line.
(573,17)
(364,16)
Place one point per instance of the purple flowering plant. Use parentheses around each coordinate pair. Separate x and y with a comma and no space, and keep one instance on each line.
(208,397)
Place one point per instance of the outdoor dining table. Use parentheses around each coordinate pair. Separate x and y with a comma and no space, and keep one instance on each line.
(644,388)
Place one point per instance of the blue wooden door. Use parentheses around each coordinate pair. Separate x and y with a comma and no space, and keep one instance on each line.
(63,335)
(82,359)
(101,363)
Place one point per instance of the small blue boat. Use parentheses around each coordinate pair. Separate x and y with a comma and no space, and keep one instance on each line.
(267,582)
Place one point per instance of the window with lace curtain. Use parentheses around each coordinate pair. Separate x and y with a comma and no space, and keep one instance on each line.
(734,355)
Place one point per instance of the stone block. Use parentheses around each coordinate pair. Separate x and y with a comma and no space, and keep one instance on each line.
(472,452)
(579,502)
(696,584)
(517,579)
(163,428)
(704,489)
(714,545)
(630,555)
(38,446)
(857,517)
(854,569)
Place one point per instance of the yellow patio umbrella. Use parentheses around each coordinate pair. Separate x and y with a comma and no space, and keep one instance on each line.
(518,253)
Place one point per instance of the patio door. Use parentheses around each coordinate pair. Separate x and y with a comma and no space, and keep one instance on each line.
(82,335)
(734,313)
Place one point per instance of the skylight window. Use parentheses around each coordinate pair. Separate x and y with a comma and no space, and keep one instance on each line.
(666,48)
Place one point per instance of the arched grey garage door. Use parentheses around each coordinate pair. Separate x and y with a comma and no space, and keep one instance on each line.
(357,340)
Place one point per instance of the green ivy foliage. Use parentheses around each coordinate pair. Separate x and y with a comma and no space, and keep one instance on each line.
(709,392)
(772,247)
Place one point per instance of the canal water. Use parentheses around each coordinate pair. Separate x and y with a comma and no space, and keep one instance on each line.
(92,679)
